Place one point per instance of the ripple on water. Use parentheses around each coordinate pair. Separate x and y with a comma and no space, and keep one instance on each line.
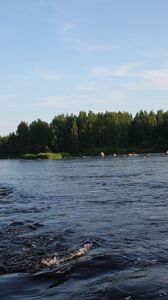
(55,207)
(5,192)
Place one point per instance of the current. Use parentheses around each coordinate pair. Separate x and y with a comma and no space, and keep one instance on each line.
(87,228)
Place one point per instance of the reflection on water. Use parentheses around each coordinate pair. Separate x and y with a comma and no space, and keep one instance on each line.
(88,228)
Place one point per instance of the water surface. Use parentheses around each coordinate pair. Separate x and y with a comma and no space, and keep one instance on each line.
(118,205)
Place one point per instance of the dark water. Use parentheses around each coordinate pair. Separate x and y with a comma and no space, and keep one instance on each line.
(118,205)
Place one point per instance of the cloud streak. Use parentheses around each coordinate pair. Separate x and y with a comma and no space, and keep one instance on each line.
(53,101)
(6,98)
(85,46)
(47,74)
(147,78)
(158,78)
(120,71)
(65,102)
(86,86)
(66,26)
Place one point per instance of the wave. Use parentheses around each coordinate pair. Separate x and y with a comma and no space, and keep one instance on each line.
(5,191)
(57,260)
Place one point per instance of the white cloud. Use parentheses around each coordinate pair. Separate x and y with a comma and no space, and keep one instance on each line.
(118,94)
(62,101)
(68,25)
(86,86)
(146,79)
(47,74)
(50,76)
(52,101)
(120,71)
(66,103)
(6,98)
(153,79)
(81,45)
(158,78)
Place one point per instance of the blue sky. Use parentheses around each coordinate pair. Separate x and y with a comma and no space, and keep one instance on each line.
(63,56)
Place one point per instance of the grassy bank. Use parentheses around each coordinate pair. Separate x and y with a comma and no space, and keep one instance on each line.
(48,155)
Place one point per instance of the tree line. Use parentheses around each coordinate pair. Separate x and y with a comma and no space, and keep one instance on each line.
(89,132)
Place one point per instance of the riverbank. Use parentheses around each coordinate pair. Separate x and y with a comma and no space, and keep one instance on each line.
(95,151)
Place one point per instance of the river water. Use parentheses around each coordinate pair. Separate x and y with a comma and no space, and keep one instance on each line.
(50,211)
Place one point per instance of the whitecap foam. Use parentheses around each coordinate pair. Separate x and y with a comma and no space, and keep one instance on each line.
(57,260)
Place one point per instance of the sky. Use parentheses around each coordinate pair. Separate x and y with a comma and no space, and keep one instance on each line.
(66,56)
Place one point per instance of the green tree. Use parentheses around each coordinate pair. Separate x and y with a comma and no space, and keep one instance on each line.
(11,145)
(82,124)
(74,137)
(22,134)
(91,132)
(59,133)
(39,136)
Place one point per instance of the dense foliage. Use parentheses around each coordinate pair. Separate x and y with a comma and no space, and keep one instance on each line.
(89,133)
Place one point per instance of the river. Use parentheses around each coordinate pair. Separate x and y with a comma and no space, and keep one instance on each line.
(84,228)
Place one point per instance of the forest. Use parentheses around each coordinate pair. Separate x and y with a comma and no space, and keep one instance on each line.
(88,133)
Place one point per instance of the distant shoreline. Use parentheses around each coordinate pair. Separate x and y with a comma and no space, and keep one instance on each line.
(58,156)
(89,134)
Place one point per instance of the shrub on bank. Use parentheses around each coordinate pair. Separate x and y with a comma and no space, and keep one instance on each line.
(47,155)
